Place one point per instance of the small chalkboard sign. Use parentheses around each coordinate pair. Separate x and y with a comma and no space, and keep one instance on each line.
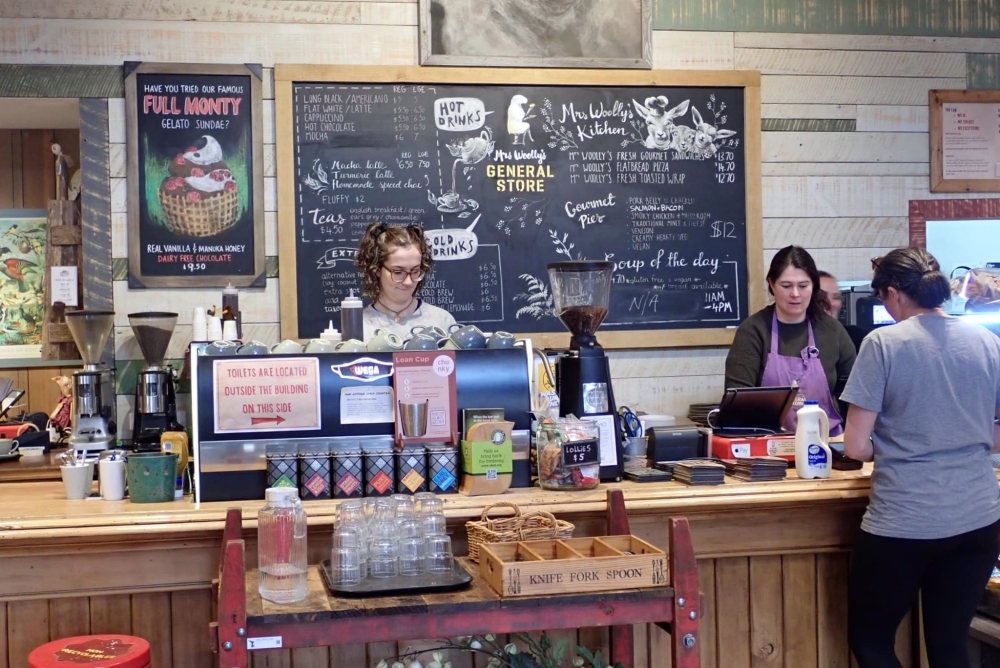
(195,176)
(581,453)
(507,171)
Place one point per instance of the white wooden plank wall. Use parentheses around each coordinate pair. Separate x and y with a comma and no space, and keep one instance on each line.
(843,195)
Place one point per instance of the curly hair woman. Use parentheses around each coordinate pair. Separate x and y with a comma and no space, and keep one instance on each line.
(394,262)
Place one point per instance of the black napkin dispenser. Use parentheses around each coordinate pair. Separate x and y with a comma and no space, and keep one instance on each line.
(672,444)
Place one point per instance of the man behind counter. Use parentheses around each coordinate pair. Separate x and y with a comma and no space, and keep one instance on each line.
(794,340)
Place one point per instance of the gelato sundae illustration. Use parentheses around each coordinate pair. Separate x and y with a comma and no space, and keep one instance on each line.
(199,197)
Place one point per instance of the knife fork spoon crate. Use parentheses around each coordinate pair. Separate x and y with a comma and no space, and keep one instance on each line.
(573,565)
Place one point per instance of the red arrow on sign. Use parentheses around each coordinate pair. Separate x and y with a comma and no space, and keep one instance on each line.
(261,420)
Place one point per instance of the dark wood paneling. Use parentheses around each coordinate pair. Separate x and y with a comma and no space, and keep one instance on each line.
(61,81)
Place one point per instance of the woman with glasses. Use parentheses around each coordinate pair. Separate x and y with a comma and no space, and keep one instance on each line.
(394,262)
(924,394)
(794,341)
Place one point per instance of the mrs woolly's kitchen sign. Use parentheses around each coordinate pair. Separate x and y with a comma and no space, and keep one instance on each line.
(195,176)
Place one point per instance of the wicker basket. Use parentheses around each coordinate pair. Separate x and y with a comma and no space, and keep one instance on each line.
(204,218)
(537,525)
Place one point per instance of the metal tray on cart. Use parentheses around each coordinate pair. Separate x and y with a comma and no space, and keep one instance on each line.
(400,585)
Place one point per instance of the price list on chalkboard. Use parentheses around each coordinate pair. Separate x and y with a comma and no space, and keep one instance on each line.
(506,179)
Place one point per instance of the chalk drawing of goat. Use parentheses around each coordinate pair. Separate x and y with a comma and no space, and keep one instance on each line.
(700,140)
(660,121)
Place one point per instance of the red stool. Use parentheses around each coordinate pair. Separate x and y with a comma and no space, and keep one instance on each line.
(107,651)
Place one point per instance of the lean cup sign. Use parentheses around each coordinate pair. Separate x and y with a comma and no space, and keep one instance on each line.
(459,114)
(280,394)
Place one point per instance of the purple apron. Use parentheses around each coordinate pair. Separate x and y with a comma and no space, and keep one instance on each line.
(807,372)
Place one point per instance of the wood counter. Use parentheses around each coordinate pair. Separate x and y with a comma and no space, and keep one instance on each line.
(772,559)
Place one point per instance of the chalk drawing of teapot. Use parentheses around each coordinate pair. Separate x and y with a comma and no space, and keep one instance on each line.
(468,152)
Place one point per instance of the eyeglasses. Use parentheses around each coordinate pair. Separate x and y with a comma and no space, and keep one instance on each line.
(398,275)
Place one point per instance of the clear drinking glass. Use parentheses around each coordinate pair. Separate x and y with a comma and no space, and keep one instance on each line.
(281,546)
(345,566)
(347,536)
(409,529)
(419,499)
(385,510)
(369,505)
(438,557)
(432,506)
(411,556)
(383,558)
(434,525)
(352,510)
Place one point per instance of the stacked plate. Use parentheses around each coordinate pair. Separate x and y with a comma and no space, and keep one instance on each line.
(757,469)
(699,472)
(698,413)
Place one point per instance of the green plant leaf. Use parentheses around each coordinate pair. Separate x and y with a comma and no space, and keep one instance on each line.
(585,653)
(559,652)
(598,659)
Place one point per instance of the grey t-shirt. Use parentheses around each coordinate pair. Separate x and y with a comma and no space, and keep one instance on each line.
(935,383)
(426,314)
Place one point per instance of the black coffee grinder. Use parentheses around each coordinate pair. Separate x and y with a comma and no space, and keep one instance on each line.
(155,400)
(581,292)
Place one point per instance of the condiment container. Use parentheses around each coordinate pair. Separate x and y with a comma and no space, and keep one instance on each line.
(569,454)
(352,319)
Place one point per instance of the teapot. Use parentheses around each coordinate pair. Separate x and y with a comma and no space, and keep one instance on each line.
(473,149)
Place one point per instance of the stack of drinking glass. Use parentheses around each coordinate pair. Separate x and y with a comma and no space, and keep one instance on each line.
(389,536)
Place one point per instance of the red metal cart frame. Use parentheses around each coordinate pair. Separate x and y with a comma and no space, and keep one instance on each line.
(676,609)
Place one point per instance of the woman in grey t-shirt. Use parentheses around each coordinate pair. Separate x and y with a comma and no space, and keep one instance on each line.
(923,395)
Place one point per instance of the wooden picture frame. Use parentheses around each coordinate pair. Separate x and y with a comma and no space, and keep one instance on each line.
(479,19)
(285,76)
(186,256)
(965,143)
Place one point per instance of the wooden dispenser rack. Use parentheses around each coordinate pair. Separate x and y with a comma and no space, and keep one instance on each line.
(247,623)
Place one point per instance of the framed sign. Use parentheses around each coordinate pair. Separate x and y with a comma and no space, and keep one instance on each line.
(23,239)
(195,176)
(537,33)
(965,140)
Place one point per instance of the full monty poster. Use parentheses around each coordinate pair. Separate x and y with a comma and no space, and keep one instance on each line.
(195,176)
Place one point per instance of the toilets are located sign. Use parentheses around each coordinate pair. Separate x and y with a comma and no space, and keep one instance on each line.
(265,394)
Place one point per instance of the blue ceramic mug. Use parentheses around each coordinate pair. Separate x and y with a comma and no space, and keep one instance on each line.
(467,337)
(421,342)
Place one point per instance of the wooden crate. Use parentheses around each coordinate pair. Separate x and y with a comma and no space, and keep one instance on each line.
(606,563)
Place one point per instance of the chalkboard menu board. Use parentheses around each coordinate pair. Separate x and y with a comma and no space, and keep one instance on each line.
(508,178)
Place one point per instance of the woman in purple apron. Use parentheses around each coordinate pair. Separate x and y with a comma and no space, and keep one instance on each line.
(794,342)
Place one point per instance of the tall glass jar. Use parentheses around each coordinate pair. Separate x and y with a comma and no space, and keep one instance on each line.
(281,546)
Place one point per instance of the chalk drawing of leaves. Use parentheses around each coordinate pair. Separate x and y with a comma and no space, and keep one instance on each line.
(538,298)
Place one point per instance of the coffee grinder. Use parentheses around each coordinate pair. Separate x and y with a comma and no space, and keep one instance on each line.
(581,292)
(155,400)
(94,385)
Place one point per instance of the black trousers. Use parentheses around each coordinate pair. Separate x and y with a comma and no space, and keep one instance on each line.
(886,574)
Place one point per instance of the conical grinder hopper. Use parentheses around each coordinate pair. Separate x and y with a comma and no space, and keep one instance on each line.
(153,330)
(90,330)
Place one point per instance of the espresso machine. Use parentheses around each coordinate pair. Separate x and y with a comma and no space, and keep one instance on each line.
(94,385)
(581,292)
(155,399)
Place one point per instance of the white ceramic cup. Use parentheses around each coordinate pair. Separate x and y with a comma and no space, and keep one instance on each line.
(112,475)
(384,341)
(214,329)
(350,346)
(77,480)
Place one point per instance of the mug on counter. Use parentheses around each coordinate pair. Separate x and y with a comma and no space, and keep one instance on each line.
(433,331)
(286,347)
(350,346)
(319,346)
(216,348)
(384,341)
(466,337)
(421,342)
(8,446)
(252,348)
(501,340)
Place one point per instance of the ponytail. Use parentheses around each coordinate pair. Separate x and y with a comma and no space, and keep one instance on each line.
(914,272)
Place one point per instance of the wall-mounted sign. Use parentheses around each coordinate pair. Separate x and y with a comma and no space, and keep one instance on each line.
(965,140)
(195,176)
(267,394)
